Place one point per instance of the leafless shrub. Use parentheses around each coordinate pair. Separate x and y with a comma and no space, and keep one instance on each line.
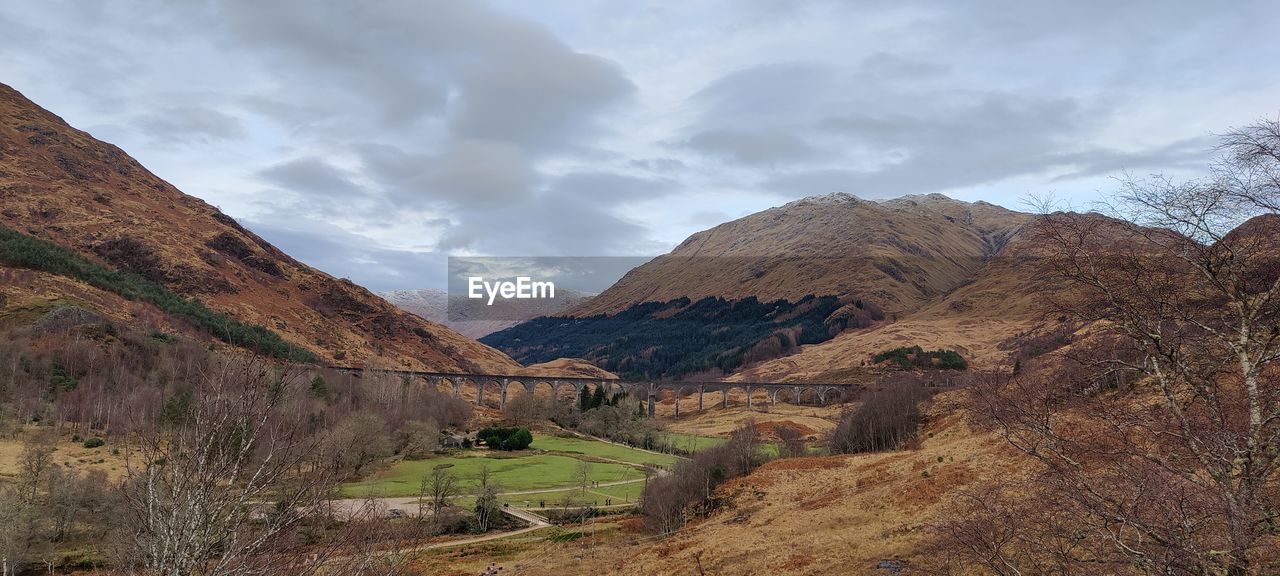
(227,482)
(1158,441)
(888,418)
(666,499)
(793,443)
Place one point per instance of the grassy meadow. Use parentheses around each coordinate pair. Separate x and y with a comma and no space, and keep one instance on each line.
(551,463)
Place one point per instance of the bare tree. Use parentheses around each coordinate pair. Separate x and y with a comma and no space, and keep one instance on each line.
(224,486)
(525,409)
(1013,528)
(667,499)
(886,419)
(18,524)
(583,475)
(744,445)
(436,490)
(34,461)
(417,439)
(487,505)
(1161,440)
(358,440)
(793,444)
(73,497)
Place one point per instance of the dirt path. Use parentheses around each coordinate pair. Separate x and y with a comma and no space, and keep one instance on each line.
(562,488)
(409,504)
(535,521)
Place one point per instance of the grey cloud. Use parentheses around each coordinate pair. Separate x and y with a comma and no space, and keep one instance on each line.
(186,124)
(607,189)
(551,226)
(346,255)
(998,138)
(518,129)
(708,218)
(826,180)
(664,165)
(982,138)
(758,116)
(973,131)
(765,146)
(491,75)
(568,226)
(887,67)
(467,174)
(482,172)
(536,98)
(763,92)
(312,176)
(1184,154)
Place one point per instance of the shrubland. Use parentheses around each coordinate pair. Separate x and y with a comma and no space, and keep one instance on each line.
(228,459)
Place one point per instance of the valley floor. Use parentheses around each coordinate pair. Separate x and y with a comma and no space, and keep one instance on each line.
(816,515)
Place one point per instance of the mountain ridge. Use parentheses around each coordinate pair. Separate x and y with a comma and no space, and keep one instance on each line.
(897,252)
(59,184)
(865,264)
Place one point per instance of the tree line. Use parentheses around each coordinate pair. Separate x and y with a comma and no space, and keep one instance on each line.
(22,251)
(682,337)
(1154,432)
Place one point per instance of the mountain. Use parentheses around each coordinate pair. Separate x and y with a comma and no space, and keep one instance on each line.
(433,305)
(753,295)
(982,319)
(897,253)
(59,184)
(568,367)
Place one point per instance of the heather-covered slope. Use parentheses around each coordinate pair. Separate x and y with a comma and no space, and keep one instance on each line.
(62,185)
(1008,300)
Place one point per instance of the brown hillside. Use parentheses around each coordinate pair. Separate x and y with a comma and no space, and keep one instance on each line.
(978,318)
(899,254)
(567,367)
(62,185)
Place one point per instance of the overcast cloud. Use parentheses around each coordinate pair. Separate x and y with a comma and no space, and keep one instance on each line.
(373,139)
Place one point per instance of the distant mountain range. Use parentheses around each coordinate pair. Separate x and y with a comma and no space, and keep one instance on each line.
(805,291)
(433,305)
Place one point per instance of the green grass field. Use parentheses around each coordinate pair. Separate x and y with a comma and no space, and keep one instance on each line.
(599,449)
(550,463)
(527,472)
(691,442)
(619,494)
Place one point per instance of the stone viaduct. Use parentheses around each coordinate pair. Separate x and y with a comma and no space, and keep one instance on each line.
(816,393)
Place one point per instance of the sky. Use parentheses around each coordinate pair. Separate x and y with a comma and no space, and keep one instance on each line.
(374,139)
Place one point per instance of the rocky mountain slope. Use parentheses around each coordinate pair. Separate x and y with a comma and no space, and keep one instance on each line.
(898,253)
(917,270)
(433,305)
(981,319)
(62,185)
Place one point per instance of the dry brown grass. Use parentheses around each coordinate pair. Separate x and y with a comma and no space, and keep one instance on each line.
(977,340)
(72,455)
(719,422)
(818,515)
